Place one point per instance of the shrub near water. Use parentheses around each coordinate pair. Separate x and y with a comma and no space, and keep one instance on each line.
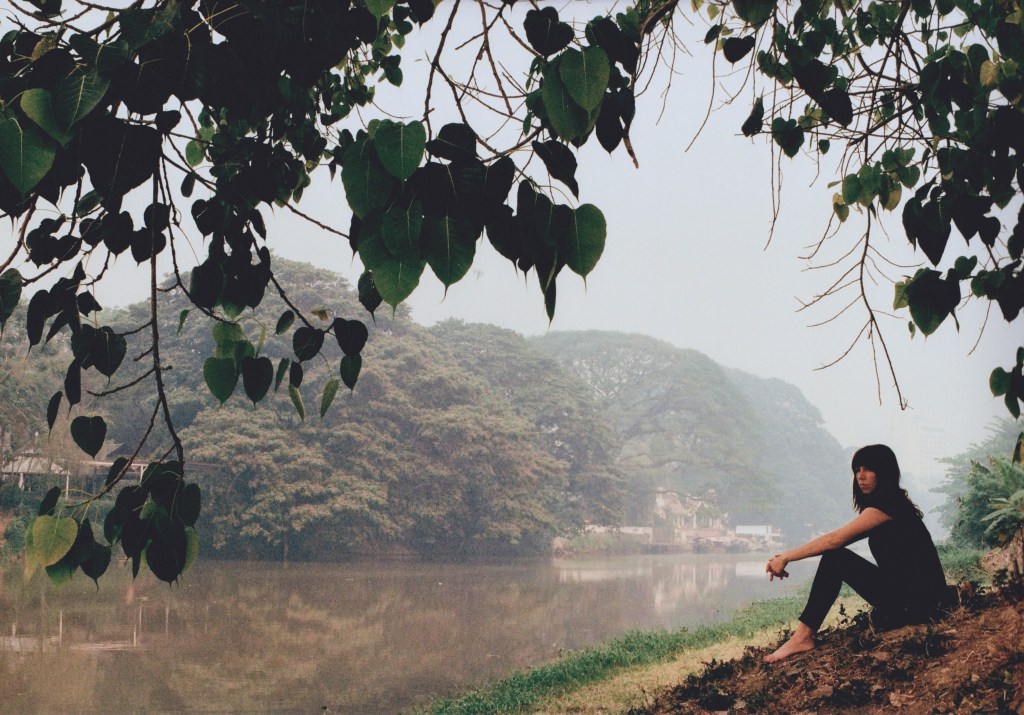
(519,691)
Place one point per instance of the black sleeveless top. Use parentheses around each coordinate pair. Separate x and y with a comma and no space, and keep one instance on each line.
(906,554)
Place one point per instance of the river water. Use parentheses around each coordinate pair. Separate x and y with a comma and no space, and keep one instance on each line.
(378,637)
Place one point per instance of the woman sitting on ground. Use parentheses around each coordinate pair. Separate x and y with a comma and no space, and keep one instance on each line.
(907,585)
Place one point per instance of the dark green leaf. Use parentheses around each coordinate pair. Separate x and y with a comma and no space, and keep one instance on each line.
(369,297)
(787,135)
(399,147)
(999,382)
(400,230)
(76,95)
(585,75)
(449,245)
(330,390)
(116,470)
(393,278)
(89,433)
(38,106)
(545,32)
(295,374)
(189,504)
(108,351)
(221,376)
(306,342)
(736,48)
(754,12)
(587,232)
(567,119)
(753,123)
(282,368)
(52,408)
(48,506)
(560,162)
(350,366)
(293,392)
(351,335)
(26,154)
(257,374)
(455,142)
(284,322)
(367,183)
(97,562)
(10,293)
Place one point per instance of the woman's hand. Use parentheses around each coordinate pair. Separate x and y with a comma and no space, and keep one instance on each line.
(777,567)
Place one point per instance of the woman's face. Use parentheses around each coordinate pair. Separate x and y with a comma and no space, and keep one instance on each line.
(867,480)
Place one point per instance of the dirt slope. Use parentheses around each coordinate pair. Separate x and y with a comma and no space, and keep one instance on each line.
(970,661)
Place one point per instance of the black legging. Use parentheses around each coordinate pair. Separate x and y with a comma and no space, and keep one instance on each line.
(864,577)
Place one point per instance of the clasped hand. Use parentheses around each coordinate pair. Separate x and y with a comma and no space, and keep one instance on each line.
(776,568)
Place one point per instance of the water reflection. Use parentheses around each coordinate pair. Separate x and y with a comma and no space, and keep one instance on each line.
(354,638)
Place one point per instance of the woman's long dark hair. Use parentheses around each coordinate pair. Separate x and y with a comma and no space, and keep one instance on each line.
(888,496)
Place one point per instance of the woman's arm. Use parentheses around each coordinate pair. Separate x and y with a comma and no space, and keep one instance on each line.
(846,534)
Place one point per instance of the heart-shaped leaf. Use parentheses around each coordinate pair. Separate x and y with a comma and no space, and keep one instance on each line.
(108,350)
(455,142)
(38,106)
(754,12)
(736,48)
(367,183)
(585,75)
(221,376)
(393,278)
(351,335)
(89,433)
(306,342)
(400,147)
(400,230)
(257,375)
(587,233)
(567,118)
(52,538)
(545,32)
(449,245)
(97,562)
(26,154)
(76,95)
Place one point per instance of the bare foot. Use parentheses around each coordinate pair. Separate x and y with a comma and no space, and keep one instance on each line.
(801,641)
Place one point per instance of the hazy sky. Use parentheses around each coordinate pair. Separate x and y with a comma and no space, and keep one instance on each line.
(686,261)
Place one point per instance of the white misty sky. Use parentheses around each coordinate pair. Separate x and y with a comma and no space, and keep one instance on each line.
(686,262)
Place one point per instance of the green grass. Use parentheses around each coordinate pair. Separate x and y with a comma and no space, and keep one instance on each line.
(962,562)
(520,691)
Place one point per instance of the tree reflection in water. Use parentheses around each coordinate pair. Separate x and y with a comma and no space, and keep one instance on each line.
(355,638)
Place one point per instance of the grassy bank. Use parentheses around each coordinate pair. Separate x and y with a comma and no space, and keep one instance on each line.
(607,677)
(522,692)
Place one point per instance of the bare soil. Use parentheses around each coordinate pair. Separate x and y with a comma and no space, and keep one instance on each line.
(972,660)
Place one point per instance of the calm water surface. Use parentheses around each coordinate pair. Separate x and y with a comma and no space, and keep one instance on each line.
(351,638)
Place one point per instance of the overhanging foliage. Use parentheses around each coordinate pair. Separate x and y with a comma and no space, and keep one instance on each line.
(125,132)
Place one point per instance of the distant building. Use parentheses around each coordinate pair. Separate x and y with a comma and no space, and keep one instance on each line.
(30,468)
(760,535)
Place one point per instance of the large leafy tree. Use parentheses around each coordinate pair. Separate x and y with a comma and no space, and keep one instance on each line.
(128,131)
